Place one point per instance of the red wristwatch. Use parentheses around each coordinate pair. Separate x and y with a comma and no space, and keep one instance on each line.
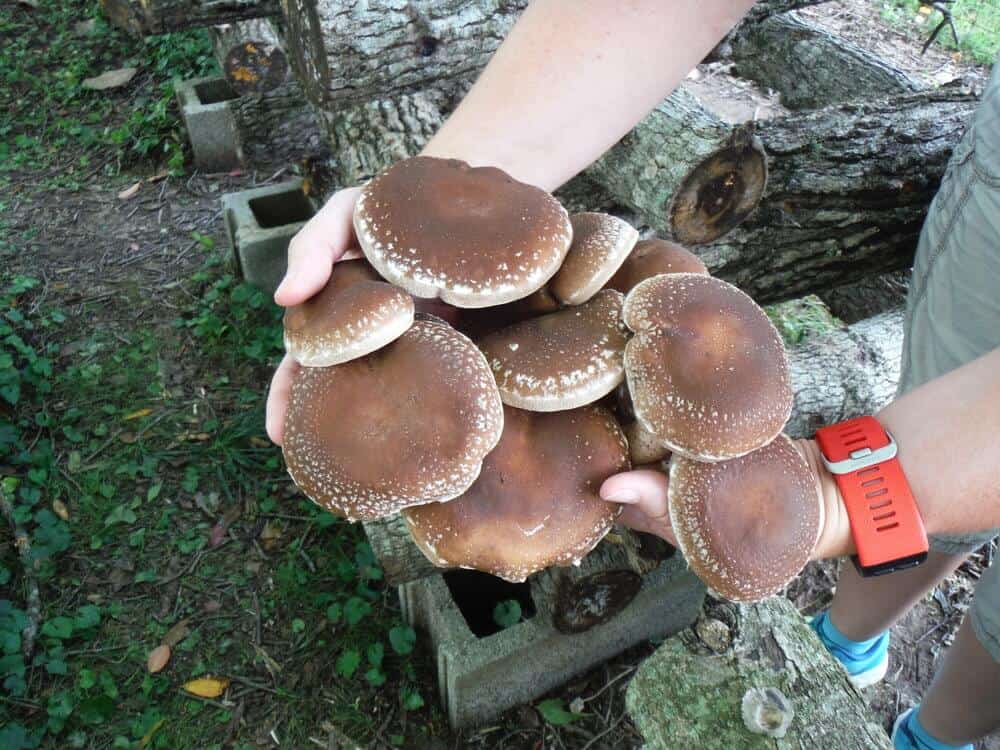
(888,531)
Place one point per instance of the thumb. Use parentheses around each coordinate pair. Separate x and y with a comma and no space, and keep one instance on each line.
(645,489)
(317,246)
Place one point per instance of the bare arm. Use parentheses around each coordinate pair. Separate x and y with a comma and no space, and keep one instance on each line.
(572,78)
(948,432)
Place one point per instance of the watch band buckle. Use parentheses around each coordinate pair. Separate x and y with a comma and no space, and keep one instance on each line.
(862,458)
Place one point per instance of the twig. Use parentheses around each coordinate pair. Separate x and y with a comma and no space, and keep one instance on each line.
(605,732)
(23,544)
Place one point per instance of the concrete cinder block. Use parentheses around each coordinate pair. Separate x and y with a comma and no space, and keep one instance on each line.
(210,124)
(260,223)
(480,677)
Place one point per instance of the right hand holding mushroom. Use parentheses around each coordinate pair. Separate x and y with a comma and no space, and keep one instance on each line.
(747,526)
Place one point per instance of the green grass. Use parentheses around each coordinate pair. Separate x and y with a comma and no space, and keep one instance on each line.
(799,319)
(123,455)
(49,119)
(977,22)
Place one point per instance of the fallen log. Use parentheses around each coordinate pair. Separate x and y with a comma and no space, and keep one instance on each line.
(689,695)
(142,17)
(845,373)
(250,55)
(871,296)
(811,67)
(847,186)
(353,52)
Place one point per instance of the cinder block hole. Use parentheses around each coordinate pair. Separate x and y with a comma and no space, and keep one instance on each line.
(211,92)
(281,208)
(477,594)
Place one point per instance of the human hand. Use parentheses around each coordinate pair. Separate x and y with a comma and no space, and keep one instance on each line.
(643,494)
(324,240)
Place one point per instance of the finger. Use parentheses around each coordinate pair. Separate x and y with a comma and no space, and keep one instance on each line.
(317,246)
(646,489)
(634,518)
(277,399)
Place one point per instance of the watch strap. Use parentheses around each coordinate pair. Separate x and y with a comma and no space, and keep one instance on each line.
(888,532)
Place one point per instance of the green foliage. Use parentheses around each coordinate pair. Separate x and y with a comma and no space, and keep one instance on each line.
(553,710)
(507,613)
(44,60)
(798,319)
(977,23)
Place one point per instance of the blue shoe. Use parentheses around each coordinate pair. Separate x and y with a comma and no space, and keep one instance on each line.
(866,662)
(909,734)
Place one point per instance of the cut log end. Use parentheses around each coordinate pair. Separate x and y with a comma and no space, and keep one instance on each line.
(254,67)
(582,604)
(719,193)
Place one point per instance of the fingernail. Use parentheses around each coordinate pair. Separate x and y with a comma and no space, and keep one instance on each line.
(622,496)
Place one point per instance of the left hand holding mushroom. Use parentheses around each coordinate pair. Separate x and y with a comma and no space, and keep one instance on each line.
(747,526)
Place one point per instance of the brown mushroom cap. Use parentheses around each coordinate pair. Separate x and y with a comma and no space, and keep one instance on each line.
(707,370)
(473,236)
(652,257)
(749,525)
(407,424)
(601,243)
(536,502)
(562,360)
(643,447)
(354,314)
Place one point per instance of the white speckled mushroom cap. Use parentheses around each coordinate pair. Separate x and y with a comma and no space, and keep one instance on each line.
(536,502)
(749,525)
(651,258)
(473,236)
(601,243)
(407,424)
(707,369)
(354,314)
(562,360)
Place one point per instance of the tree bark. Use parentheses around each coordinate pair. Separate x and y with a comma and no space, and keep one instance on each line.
(685,695)
(847,187)
(353,52)
(870,296)
(250,55)
(142,17)
(683,148)
(845,373)
(811,67)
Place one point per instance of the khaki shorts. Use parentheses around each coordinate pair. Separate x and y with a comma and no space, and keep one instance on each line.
(953,308)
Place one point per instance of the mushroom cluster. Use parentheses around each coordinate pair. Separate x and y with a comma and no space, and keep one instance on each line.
(579,352)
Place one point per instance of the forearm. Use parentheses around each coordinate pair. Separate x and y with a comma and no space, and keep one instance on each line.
(573,77)
(948,432)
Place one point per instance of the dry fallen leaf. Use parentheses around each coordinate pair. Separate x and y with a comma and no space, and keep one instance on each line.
(207,687)
(157,177)
(128,192)
(137,414)
(60,509)
(158,658)
(148,736)
(177,633)
(270,535)
(110,79)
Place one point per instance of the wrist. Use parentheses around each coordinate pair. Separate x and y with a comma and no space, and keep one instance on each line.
(835,539)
